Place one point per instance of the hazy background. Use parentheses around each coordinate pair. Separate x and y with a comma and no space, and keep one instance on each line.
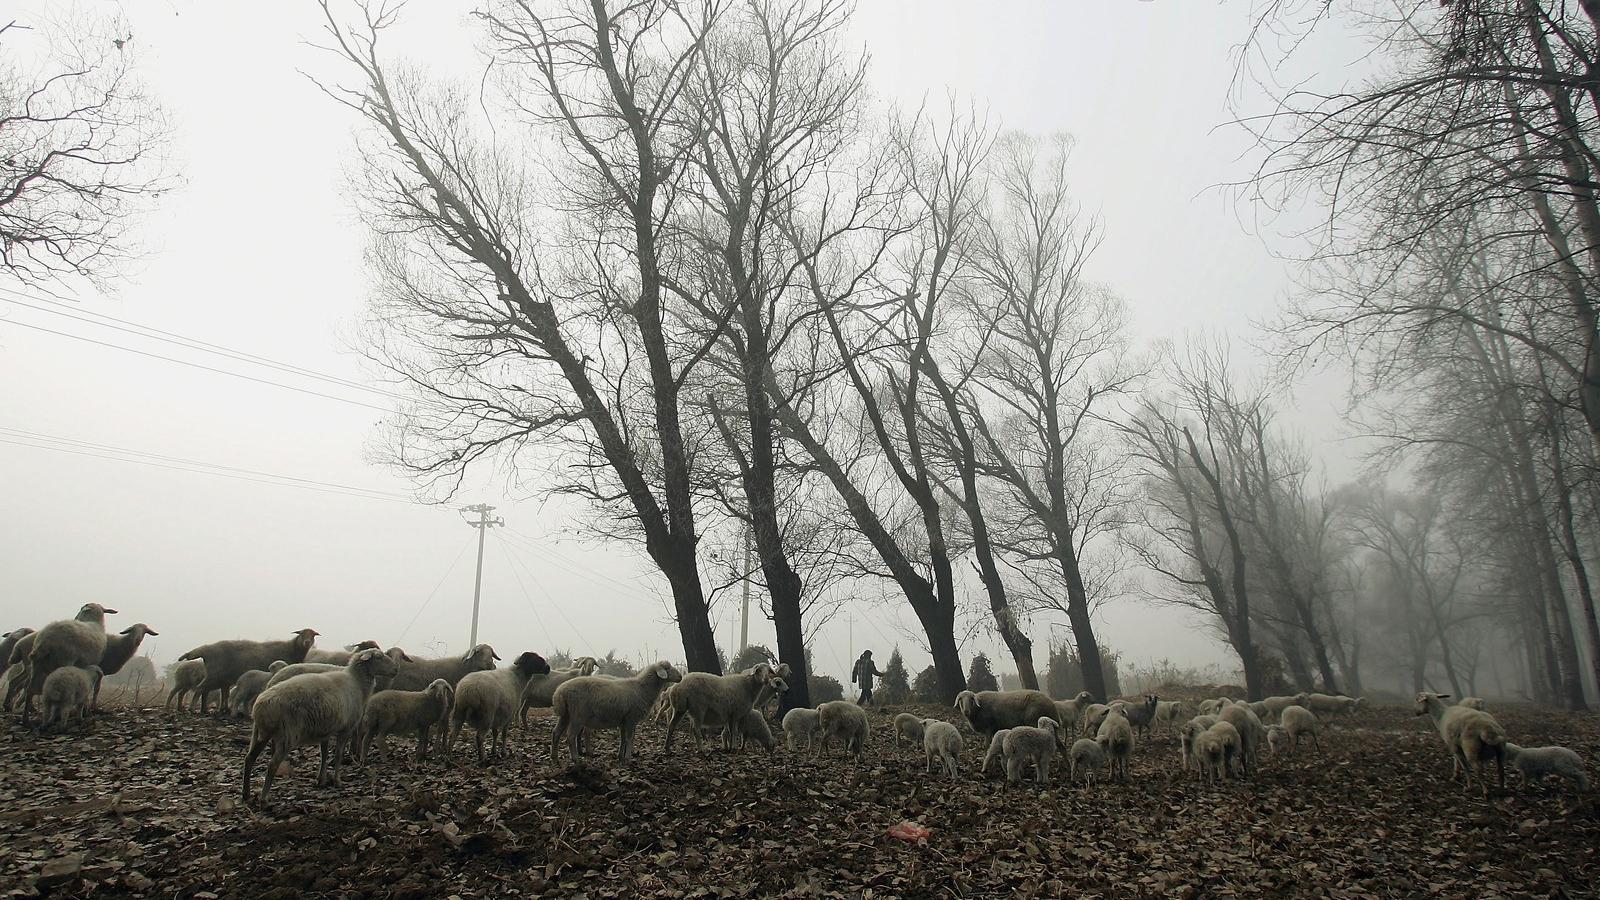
(258,251)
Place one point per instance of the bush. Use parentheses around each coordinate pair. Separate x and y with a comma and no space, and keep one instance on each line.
(925,689)
(1162,676)
(1064,679)
(980,677)
(896,686)
(751,656)
(824,688)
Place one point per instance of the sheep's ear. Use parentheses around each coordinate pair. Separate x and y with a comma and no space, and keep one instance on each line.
(108,611)
(1444,696)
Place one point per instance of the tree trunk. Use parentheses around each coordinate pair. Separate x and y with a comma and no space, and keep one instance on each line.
(1319,648)
(1094,673)
(1574,553)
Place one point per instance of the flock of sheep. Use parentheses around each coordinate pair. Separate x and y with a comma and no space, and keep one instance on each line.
(349,701)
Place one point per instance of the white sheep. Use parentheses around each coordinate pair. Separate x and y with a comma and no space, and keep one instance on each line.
(1034,744)
(414,711)
(1088,757)
(1169,712)
(79,642)
(66,694)
(1298,723)
(1472,737)
(845,721)
(909,726)
(120,648)
(248,687)
(416,673)
(227,660)
(1211,707)
(594,702)
(1252,734)
(541,689)
(1473,703)
(1093,715)
(1273,707)
(1192,730)
(1328,705)
(943,740)
(323,708)
(1218,750)
(187,676)
(487,700)
(1277,739)
(340,657)
(754,726)
(800,722)
(1115,736)
(1069,712)
(1535,763)
(717,700)
(996,750)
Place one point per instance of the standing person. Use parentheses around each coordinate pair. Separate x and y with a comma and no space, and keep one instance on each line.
(865,670)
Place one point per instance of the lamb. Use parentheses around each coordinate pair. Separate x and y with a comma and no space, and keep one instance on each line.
(1031,743)
(1473,703)
(1252,734)
(593,702)
(1115,736)
(1086,755)
(1276,705)
(801,721)
(1068,712)
(542,688)
(1277,739)
(846,721)
(996,749)
(416,673)
(323,708)
(716,700)
(1093,716)
(187,676)
(1327,705)
(66,694)
(754,725)
(1192,730)
(488,701)
(1298,722)
(227,660)
(120,648)
(1472,737)
(1534,763)
(1168,712)
(411,711)
(1218,749)
(79,641)
(910,726)
(338,657)
(249,687)
(990,711)
(943,740)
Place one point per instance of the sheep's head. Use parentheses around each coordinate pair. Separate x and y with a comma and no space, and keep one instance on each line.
(666,671)
(530,664)
(1084,698)
(480,658)
(304,638)
(779,685)
(94,612)
(374,663)
(1049,724)
(276,665)
(967,702)
(361,645)
(441,688)
(139,631)
(1427,702)
(1302,699)
(586,665)
(784,670)
(398,655)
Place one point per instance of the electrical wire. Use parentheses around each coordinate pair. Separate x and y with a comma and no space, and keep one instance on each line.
(553,604)
(464,545)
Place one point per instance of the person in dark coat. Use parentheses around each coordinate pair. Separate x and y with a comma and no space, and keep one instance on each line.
(865,670)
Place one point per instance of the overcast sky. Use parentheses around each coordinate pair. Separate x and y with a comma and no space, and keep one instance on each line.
(259,252)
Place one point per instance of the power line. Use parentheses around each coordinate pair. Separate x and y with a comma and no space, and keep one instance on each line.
(431,593)
(146,331)
(553,604)
(571,565)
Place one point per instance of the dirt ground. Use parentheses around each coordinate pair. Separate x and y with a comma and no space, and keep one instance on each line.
(146,804)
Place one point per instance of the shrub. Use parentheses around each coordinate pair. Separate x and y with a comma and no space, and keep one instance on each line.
(1064,679)
(896,686)
(980,677)
(824,688)
(925,689)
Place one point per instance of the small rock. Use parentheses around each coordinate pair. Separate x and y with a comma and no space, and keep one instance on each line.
(62,870)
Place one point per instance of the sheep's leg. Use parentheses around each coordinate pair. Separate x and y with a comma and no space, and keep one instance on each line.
(256,746)
(562,723)
(322,767)
(626,752)
(280,755)
(1043,772)
(340,742)
(672,726)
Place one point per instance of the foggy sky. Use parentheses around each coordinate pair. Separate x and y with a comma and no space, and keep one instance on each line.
(259,251)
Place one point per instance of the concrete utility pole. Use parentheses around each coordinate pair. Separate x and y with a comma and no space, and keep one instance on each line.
(744,620)
(483,525)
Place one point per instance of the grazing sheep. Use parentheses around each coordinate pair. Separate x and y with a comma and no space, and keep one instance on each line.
(413,711)
(908,725)
(1115,736)
(417,673)
(1472,737)
(1169,712)
(120,648)
(1252,734)
(754,725)
(1088,756)
(1191,730)
(323,708)
(541,689)
(1534,763)
(1093,715)
(1473,703)
(1328,705)
(1273,707)
(1068,712)
(1277,739)
(1211,707)
(339,657)
(990,711)
(996,750)
(488,701)
(801,721)
(943,740)
(1217,750)
(227,660)
(187,676)
(1031,743)
(594,702)
(717,700)
(79,641)
(249,687)
(846,721)
(1298,722)
(65,694)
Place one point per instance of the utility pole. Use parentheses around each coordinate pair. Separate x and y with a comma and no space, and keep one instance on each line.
(851,618)
(483,525)
(744,620)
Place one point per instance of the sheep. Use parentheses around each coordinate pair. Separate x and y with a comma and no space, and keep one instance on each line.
(1298,722)
(990,711)
(1218,749)
(1086,755)
(66,694)
(996,750)
(716,700)
(249,687)
(227,660)
(1068,712)
(120,648)
(8,643)
(79,641)
(908,725)
(1274,706)
(1259,707)
(593,702)
(1168,712)
(1115,736)
(1211,707)
(16,668)
(1328,705)
(801,721)
(1473,703)
(488,701)
(323,708)
(187,676)
(339,657)
(1031,743)
(1472,737)
(846,721)
(943,740)
(1141,715)
(1277,739)
(542,688)
(417,673)
(1252,734)
(754,725)
(1093,715)
(1534,763)
(1191,730)
(413,711)
(286,672)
